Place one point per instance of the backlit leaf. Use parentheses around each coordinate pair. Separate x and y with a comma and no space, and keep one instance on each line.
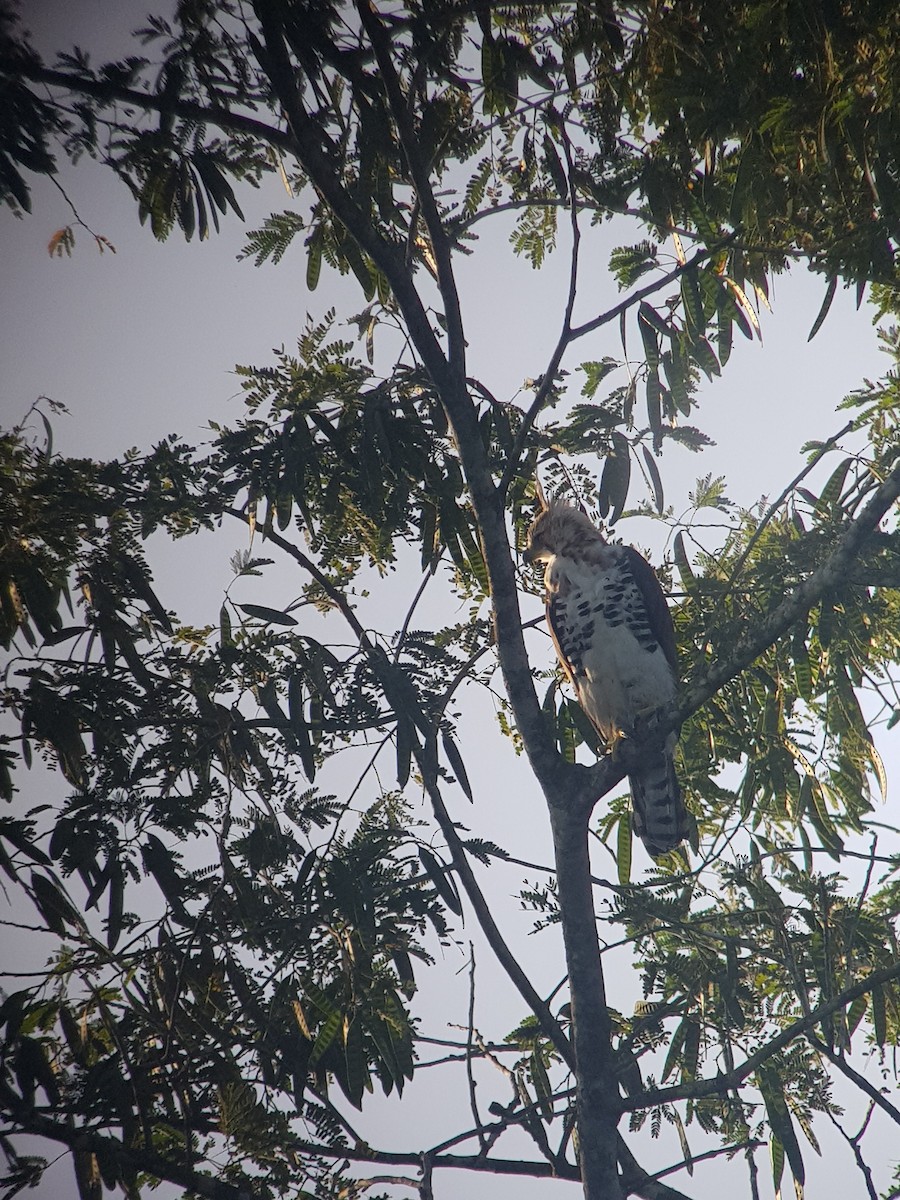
(823,311)
(624,845)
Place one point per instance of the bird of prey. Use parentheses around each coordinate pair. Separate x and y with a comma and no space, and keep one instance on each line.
(613,633)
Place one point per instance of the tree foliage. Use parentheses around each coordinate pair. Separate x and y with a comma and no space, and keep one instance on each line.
(235,952)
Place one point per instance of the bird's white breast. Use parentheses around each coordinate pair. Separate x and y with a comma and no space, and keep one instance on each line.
(619,669)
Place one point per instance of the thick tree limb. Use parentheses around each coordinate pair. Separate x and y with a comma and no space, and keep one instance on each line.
(595,1075)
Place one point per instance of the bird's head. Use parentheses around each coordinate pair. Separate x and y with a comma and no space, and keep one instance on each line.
(558,529)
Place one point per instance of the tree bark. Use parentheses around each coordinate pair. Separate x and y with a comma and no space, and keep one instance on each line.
(597,1091)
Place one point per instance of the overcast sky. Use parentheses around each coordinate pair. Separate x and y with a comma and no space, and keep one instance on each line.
(143,342)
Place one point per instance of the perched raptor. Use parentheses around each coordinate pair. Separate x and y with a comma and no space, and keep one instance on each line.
(613,633)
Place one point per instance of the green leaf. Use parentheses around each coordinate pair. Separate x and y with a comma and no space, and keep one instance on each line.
(160,863)
(828,505)
(441,880)
(284,500)
(708,232)
(776,1157)
(878,767)
(540,1079)
(473,556)
(566,733)
(21,834)
(405,736)
(326,1034)
(879,1015)
(691,1053)
(677,377)
(654,407)
(821,821)
(581,722)
(802,668)
(225,627)
(780,1119)
(356,1079)
(456,763)
(823,311)
(116,905)
(314,245)
(682,1138)
(724,334)
(217,186)
(655,480)
(703,352)
(595,373)
(624,846)
(856,1012)
(555,168)
(615,478)
(492,77)
(428,534)
(628,263)
(53,905)
(693,304)
(272,616)
(747,320)
(688,580)
(300,727)
(648,322)
(675,1045)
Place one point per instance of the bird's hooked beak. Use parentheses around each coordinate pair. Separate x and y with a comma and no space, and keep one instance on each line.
(528,555)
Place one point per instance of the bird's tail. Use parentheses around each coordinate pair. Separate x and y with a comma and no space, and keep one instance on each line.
(659,817)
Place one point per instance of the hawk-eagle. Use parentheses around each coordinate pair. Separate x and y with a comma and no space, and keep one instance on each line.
(613,633)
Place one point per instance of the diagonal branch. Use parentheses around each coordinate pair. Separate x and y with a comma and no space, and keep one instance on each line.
(321,168)
(548,1023)
(732,1079)
(830,575)
(419,171)
(390,676)
(128,1160)
(613,314)
(596,780)
(106,92)
(776,504)
(854,1076)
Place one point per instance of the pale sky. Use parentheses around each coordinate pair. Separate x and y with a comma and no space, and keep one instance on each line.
(143,342)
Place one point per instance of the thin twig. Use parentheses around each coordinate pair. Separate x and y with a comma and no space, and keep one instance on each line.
(839,1061)
(853,1143)
(470,1035)
(776,505)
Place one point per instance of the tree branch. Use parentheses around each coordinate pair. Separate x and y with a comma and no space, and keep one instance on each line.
(420,176)
(548,1023)
(108,92)
(854,1076)
(388,675)
(462,1162)
(562,343)
(595,781)
(732,1079)
(830,575)
(142,1161)
(595,1075)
